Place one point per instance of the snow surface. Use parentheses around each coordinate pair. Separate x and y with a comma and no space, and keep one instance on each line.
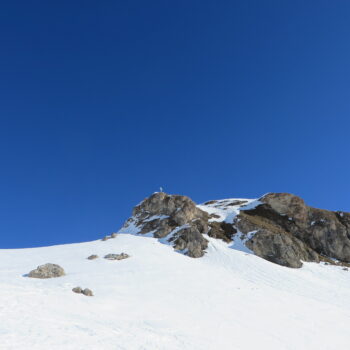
(158,299)
(226,210)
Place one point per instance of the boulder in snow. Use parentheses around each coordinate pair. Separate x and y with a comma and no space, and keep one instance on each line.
(92,257)
(47,271)
(120,256)
(88,292)
(77,290)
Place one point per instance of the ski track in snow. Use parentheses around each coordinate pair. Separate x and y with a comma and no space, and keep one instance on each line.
(158,299)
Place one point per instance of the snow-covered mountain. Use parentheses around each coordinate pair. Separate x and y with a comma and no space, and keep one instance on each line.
(163,297)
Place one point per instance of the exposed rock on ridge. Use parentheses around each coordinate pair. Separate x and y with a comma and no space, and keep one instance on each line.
(289,231)
(279,227)
(175,217)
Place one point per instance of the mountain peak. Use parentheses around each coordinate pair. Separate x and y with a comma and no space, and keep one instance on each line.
(278,227)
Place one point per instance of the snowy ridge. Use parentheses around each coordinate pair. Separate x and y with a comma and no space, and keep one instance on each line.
(227,209)
(224,210)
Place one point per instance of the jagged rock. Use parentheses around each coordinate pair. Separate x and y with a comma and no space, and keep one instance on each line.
(191,241)
(87,292)
(114,235)
(322,232)
(175,217)
(221,230)
(47,271)
(117,256)
(181,207)
(280,228)
(92,257)
(327,235)
(77,290)
(273,243)
(287,204)
(281,248)
(105,238)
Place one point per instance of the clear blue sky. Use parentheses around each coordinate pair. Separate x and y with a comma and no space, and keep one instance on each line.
(102,102)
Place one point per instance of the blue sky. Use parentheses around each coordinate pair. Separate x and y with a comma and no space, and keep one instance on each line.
(104,102)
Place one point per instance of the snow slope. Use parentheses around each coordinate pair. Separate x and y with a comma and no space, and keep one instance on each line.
(160,299)
(227,209)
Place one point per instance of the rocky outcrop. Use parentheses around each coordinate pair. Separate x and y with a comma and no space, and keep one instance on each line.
(271,242)
(190,241)
(174,218)
(278,227)
(221,230)
(289,231)
(47,271)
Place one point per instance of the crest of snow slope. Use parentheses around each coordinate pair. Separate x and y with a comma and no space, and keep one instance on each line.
(158,299)
(226,210)
(223,210)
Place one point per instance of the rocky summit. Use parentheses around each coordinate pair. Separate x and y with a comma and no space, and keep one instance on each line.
(278,227)
(174,217)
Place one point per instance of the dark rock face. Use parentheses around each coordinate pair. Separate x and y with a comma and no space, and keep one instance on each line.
(175,217)
(289,231)
(190,241)
(221,230)
(47,271)
(324,231)
(281,248)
